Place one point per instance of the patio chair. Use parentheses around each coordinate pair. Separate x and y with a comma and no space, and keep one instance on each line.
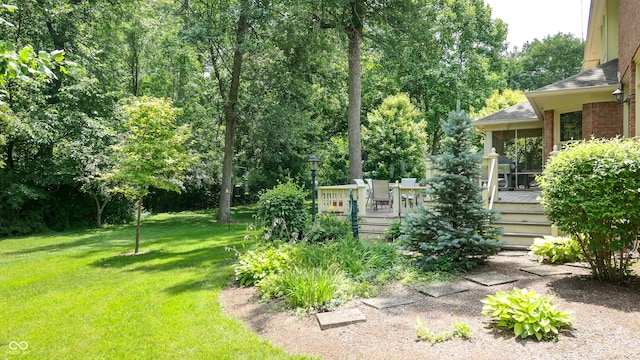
(380,194)
(411,196)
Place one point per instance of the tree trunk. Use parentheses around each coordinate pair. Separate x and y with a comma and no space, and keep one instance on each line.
(230,116)
(99,208)
(138,227)
(354,32)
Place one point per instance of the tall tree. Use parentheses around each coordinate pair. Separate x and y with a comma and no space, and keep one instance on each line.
(543,62)
(348,16)
(443,52)
(220,30)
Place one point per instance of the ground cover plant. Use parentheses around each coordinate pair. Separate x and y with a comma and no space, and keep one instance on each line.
(526,313)
(71,295)
(317,276)
(557,249)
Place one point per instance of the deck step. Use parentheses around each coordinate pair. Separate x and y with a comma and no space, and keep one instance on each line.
(521,239)
(526,227)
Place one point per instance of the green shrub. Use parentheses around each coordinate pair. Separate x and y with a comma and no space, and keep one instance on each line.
(527,313)
(256,264)
(281,210)
(590,191)
(327,228)
(553,250)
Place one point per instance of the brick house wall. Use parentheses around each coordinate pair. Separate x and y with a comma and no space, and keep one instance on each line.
(602,120)
(548,133)
(628,34)
(632,104)
(628,45)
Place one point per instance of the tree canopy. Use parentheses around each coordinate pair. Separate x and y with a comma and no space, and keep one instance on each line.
(261,85)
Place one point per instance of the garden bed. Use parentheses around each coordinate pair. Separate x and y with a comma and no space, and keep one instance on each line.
(606,320)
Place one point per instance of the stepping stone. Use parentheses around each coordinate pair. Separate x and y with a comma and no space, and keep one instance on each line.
(584,265)
(490,278)
(512,253)
(335,319)
(442,289)
(387,302)
(545,270)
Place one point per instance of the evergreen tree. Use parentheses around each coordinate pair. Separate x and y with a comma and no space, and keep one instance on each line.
(456,232)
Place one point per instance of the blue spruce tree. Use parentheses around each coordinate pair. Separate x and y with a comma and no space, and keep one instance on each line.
(455,233)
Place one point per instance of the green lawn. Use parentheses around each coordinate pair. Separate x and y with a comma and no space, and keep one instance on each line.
(73,296)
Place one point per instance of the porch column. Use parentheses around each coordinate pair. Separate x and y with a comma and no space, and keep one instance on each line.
(362,199)
(488,142)
(549,141)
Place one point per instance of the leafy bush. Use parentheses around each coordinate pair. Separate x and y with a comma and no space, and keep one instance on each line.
(256,264)
(457,233)
(327,227)
(282,211)
(527,313)
(553,250)
(590,191)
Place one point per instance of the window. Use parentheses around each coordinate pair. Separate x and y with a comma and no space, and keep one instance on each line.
(571,126)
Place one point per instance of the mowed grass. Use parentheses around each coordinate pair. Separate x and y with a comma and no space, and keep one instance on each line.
(75,296)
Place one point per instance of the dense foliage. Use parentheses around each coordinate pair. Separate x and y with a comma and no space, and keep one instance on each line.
(543,62)
(319,275)
(261,84)
(457,232)
(590,191)
(395,140)
(282,211)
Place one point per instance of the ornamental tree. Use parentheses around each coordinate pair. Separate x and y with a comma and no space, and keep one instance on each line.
(456,232)
(151,154)
(395,140)
(591,191)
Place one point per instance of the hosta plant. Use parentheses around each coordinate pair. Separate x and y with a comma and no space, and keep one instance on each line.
(552,249)
(526,313)
(256,264)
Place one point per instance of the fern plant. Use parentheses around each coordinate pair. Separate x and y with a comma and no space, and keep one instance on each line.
(526,313)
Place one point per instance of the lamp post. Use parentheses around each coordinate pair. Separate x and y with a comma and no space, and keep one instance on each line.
(313,165)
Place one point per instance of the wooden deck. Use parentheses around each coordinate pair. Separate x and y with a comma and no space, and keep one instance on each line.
(504,196)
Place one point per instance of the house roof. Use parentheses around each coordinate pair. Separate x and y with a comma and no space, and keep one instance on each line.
(519,112)
(595,84)
(590,86)
(601,75)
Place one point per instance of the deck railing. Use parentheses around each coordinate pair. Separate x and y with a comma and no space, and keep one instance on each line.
(404,199)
